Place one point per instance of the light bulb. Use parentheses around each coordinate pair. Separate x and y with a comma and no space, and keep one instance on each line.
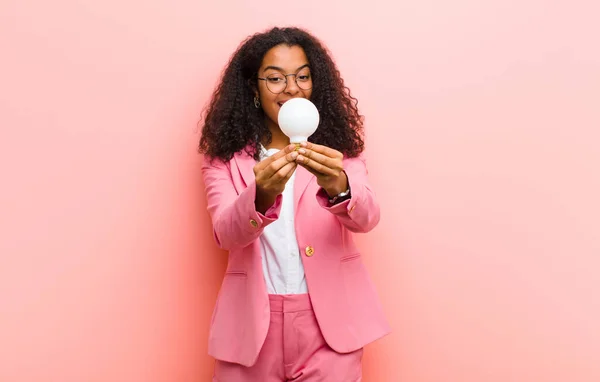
(298,118)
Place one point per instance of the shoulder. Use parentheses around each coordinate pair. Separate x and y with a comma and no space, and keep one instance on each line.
(215,163)
(243,155)
(360,160)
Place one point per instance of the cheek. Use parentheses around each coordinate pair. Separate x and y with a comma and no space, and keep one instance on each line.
(267,97)
(269,105)
(271,110)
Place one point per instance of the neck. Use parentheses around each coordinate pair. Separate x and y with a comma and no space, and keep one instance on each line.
(278,139)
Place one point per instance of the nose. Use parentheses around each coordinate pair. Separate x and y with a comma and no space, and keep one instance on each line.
(291,87)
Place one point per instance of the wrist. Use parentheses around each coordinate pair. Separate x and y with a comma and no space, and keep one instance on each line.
(334,191)
(340,187)
(263,201)
(340,197)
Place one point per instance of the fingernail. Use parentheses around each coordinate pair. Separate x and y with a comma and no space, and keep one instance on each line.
(302,151)
(300,158)
(303,144)
(294,155)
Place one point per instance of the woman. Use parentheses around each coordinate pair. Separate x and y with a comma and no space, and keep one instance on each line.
(296,302)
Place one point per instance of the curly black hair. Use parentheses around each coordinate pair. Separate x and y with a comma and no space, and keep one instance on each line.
(232,123)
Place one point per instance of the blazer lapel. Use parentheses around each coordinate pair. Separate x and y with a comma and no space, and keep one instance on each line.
(245,164)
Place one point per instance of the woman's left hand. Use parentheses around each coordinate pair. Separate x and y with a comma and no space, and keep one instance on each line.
(326,164)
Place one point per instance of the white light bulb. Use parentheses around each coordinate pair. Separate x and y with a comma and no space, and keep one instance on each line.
(298,118)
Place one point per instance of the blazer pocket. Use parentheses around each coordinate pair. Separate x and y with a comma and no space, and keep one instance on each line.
(354,256)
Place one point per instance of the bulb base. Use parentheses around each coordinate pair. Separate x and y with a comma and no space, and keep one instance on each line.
(297,140)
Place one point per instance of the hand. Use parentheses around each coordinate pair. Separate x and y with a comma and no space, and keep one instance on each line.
(271,175)
(326,164)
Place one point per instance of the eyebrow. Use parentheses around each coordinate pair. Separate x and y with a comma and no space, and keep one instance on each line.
(281,69)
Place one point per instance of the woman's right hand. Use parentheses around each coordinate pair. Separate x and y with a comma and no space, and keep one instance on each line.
(271,175)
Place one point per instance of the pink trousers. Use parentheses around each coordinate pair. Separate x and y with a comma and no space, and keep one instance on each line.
(294,350)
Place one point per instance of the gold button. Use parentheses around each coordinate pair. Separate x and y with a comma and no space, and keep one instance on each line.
(309,251)
(253,223)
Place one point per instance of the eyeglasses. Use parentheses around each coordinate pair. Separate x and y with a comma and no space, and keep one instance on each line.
(277,82)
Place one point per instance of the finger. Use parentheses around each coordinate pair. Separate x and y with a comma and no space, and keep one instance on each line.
(318,167)
(326,161)
(288,170)
(281,153)
(273,168)
(315,173)
(327,151)
(283,175)
(278,163)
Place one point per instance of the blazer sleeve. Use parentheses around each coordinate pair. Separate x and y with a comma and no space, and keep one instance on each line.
(361,212)
(236,223)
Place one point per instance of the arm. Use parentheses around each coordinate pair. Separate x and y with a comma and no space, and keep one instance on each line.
(236,223)
(361,212)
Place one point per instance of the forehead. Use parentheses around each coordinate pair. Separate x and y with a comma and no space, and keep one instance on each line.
(288,58)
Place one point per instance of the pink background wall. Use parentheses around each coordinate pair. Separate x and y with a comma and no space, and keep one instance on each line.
(483,130)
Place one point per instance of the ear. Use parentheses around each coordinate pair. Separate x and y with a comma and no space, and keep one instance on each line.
(254,86)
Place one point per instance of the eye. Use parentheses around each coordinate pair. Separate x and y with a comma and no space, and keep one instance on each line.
(304,77)
(275,79)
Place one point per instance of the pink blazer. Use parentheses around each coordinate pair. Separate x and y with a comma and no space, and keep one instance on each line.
(343,296)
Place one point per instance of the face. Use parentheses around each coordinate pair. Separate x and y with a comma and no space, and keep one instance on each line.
(283,64)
